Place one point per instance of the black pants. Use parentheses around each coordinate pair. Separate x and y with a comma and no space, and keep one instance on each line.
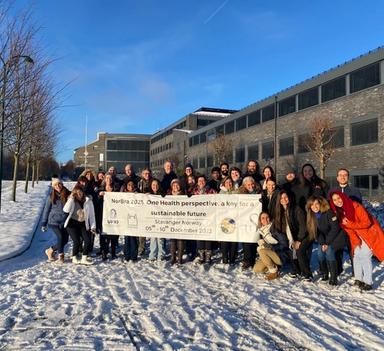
(249,250)
(190,248)
(228,251)
(106,241)
(204,245)
(304,254)
(62,238)
(78,233)
(130,248)
(177,246)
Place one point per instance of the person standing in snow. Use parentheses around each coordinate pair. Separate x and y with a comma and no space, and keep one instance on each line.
(322,224)
(54,217)
(80,224)
(365,235)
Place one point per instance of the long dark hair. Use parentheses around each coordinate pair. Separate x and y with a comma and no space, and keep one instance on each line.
(316,180)
(63,195)
(279,219)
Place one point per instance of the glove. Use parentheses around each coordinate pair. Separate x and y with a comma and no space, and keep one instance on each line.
(44,228)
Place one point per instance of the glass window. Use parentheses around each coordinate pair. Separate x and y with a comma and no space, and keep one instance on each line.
(268,151)
(364,132)
(127,145)
(253,152)
(287,106)
(364,78)
(362,181)
(333,89)
(303,141)
(338,138)
(202,162)
(309,98)
(230,127)
(254,118)
(240,154)
(220,130)
(196,140)
(203,138)
(209,161)
(286,146)
(241,123)
(268,113)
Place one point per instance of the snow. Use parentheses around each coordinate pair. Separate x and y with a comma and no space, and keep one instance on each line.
(153,306)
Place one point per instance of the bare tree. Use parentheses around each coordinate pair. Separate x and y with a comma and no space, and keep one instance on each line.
(320,141)
(221,148)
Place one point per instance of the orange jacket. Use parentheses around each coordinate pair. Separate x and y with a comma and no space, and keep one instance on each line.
(365,227)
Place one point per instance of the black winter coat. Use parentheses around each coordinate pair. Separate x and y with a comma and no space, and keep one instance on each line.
(269,204)
(329,231)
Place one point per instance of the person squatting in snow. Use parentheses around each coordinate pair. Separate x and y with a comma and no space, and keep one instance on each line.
(297,216)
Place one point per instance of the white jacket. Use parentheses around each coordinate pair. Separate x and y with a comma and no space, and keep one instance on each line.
(89,211)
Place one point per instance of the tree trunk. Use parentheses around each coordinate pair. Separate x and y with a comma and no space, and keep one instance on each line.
(27,167)
(33,174)
(37,172)
(15,170)
(322,168)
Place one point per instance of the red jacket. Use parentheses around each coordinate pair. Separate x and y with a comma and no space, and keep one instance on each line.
(365,227)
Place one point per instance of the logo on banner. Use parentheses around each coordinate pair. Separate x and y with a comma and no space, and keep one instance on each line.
(132,220)
(228,225)
(112,217)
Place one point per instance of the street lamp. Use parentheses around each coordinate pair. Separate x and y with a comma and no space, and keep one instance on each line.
(6,64)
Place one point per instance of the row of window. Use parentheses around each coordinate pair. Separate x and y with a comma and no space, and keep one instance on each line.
(139,145)
(358,80)
(128,156)
(364,132)
(168,132)
(162,148)
(158,163)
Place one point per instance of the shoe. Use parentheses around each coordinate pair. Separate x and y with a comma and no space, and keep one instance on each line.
(208,256)
(365,287)
(104,256)
(225,261)
(272,276)
(86,260)
(76,260)
(358,283)
(50,254)
(61,258)
(113,257)
(307,279)
(293,275)
(245,265)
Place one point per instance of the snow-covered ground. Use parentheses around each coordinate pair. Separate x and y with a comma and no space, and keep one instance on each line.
(152,306)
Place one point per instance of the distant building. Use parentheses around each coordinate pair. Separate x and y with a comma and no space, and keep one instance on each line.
(114,150)
(351,94)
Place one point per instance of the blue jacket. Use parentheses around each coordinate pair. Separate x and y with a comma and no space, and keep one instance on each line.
(53,214)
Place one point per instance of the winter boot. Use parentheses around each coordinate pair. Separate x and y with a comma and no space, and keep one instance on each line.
(172,250)
(61,258)
(76,260)
(200,257)
(332,267)
(324,274)
(50,254)
(272,274)
(86,260)
(208,256)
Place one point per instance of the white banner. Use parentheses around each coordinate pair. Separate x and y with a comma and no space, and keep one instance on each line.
(203,217)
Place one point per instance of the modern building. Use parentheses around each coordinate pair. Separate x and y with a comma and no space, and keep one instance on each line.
(114,150)
(172,141)
(351,95)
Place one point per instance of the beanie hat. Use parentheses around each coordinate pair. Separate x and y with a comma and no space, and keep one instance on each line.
(56,181)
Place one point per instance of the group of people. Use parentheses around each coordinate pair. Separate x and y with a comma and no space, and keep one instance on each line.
(298,215)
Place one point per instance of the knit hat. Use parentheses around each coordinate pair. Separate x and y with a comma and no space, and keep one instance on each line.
(56,181)
(175,181)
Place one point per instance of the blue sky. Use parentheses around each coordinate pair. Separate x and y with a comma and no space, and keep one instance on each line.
(137,66)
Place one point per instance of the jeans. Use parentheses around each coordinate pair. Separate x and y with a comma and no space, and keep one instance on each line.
(328,255)
(62,238)
(78,232)
(362,263)
(130,248)
(157,248)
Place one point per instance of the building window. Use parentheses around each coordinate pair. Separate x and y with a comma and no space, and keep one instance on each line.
(364,132)
(286,146)
(363,181)
(220,130)
(203,138)
(268,113)
(309,98)
(268,150)
(202,162)
(254,118)
(333,89)
(209,161)
(365,78)
(241,123)
(287,106)
(303,141)
(230,127)
(338,138)
(253,152)
(240,154)
(196,140)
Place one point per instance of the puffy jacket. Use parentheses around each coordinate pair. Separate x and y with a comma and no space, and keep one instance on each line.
(329,231)
(367,228)
(53,213)
(89,211)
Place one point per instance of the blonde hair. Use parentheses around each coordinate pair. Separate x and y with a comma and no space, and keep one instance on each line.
(311,217)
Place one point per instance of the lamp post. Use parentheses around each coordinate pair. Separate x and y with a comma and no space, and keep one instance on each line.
(6,64)
(275,149)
